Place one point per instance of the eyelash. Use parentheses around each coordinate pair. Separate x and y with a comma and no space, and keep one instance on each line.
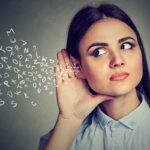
(96,50)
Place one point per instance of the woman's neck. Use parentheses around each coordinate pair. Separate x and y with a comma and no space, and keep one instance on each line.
(121,105)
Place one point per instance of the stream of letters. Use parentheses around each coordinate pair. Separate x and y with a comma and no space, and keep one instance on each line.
(21,69)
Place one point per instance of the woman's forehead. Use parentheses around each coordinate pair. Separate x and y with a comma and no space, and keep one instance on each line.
(108,28)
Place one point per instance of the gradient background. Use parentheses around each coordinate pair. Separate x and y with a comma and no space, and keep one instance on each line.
(44,23)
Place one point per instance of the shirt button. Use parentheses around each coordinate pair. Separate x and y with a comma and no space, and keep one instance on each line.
(109,123)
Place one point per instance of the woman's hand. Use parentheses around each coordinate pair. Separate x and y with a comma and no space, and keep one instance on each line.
(73,96)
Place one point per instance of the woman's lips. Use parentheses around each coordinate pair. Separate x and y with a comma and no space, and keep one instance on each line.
(119,76)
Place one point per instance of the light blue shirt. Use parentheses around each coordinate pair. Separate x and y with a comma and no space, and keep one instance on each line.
(100,132)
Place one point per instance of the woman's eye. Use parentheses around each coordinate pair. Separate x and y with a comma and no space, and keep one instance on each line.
(98,52)
(127,45)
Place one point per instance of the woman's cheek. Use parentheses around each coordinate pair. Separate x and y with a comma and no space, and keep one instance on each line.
(97,77)
(137,67)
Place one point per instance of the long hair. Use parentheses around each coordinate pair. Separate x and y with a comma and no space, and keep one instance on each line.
(88,15)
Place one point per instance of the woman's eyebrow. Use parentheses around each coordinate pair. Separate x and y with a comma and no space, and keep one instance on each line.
(106,44)
(97,44)
(126,38)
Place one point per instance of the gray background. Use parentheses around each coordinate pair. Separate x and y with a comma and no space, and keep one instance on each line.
(44,23)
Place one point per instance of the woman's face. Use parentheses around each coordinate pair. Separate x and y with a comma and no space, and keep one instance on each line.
(111,59)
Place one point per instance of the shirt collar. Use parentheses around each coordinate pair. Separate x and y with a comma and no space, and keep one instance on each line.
(132,120)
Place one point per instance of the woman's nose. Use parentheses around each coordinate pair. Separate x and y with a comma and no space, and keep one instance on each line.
(116,60)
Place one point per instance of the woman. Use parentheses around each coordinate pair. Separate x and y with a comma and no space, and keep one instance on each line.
(106,104)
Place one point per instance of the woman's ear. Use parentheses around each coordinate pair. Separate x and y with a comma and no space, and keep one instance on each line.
(76,65)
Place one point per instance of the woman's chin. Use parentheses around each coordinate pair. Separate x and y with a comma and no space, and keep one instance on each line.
(116,92)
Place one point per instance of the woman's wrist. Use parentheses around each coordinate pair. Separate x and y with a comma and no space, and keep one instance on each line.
(76,122)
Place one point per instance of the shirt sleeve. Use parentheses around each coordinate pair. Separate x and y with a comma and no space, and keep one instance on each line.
(44,140)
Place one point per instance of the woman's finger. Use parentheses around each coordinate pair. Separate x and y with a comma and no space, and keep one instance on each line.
(60,58)
(68,63)
(58,79)
(66,57)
